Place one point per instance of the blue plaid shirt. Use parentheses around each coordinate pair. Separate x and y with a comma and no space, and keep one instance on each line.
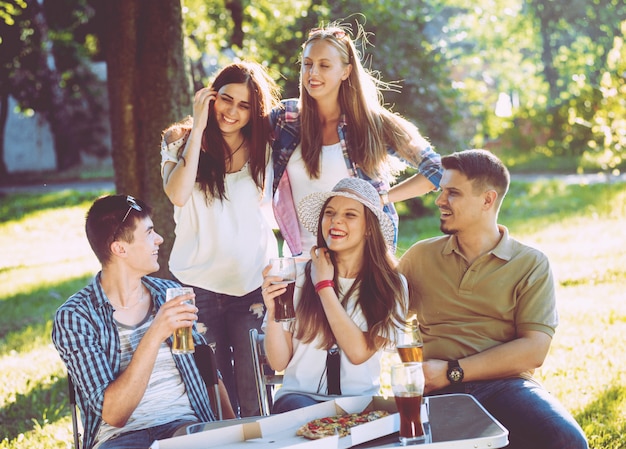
(85,335)
(285,122)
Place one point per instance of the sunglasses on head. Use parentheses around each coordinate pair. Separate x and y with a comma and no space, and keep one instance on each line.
(132,204)
(337,33)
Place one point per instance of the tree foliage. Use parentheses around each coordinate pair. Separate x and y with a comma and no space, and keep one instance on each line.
(404,51)
(275,30)
(45,64)
(451,60)
(560,63)
(608,123)
(575,39)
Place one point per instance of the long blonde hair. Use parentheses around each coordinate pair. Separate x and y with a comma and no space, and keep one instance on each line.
(372,127)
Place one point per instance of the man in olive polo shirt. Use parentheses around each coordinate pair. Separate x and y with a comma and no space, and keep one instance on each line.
(486,307)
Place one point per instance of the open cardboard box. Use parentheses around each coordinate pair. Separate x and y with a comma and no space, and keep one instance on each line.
(279,431)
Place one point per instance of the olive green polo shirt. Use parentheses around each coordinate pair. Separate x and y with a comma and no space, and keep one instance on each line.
(464,309)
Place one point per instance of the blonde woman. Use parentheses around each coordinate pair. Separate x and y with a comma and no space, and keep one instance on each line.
(339,128)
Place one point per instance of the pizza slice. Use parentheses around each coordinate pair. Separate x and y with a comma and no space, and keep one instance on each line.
(338,424)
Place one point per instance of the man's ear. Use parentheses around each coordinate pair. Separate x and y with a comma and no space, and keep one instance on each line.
(490,198)
(118,248)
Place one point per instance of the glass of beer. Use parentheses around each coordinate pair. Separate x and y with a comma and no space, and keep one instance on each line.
(410,347)
(285,268)
(407,384)
(183,338)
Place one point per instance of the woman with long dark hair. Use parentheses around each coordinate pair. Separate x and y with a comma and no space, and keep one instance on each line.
(214,170)
(350,302)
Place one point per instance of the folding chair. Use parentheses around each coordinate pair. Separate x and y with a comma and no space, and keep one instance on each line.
(73,408)
(207,365)
(266,379)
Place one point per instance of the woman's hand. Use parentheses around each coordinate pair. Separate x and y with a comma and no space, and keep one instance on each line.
(278,345)
(270,289)
(202,107)
(179,178)
(322,268)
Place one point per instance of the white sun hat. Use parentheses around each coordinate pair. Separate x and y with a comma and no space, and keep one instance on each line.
(358,189)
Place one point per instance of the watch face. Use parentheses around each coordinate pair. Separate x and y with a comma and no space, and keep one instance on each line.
(455,375)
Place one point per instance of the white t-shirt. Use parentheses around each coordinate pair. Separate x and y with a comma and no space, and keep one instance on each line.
(165,387)
(223,246)
(332,170)
(305,373)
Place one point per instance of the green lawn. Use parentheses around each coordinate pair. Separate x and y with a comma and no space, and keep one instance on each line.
(44,257)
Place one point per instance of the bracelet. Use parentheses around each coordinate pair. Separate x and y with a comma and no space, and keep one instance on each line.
(323,284)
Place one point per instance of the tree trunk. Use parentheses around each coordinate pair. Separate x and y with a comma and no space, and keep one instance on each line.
(148,89)
(236,13)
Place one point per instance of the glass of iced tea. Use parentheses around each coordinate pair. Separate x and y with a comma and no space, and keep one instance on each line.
(407,384)
(410,347)
(285,268)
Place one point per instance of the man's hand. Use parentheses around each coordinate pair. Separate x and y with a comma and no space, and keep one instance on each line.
(435,374)
(172,315)
(524,354)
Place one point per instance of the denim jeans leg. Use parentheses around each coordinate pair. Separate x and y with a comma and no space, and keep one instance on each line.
(212,323)
(243,314)
(292,401)
(141,439)
(534,418)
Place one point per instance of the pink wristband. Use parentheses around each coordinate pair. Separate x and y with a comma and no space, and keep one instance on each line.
(323,284)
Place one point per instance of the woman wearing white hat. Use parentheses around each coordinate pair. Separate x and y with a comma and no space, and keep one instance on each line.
(350,303)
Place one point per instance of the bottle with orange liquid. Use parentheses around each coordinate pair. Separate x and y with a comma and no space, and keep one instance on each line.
(411,345)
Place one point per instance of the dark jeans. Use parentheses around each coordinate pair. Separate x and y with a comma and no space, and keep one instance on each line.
(292,401)
(534,418)
(227,321)
(142,439)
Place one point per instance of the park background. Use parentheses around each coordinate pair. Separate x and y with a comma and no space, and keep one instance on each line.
(539,82)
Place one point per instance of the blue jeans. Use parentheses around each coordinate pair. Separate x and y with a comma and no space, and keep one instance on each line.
(292,401)
(534,418)
(142,439)
(227,321)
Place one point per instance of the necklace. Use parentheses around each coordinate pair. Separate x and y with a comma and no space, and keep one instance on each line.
(238,148)
(142,299)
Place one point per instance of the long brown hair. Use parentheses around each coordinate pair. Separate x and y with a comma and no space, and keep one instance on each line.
(378,285)
(215,151)
(372,127)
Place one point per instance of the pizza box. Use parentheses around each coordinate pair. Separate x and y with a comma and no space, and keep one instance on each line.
(240,436)
(279,431)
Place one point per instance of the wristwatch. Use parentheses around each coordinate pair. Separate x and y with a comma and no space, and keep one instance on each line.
(455,372)
(384,196)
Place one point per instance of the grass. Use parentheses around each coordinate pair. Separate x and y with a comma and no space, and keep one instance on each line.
(45,258)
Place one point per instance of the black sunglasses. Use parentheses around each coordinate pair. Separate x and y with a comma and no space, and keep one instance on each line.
(132,204)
